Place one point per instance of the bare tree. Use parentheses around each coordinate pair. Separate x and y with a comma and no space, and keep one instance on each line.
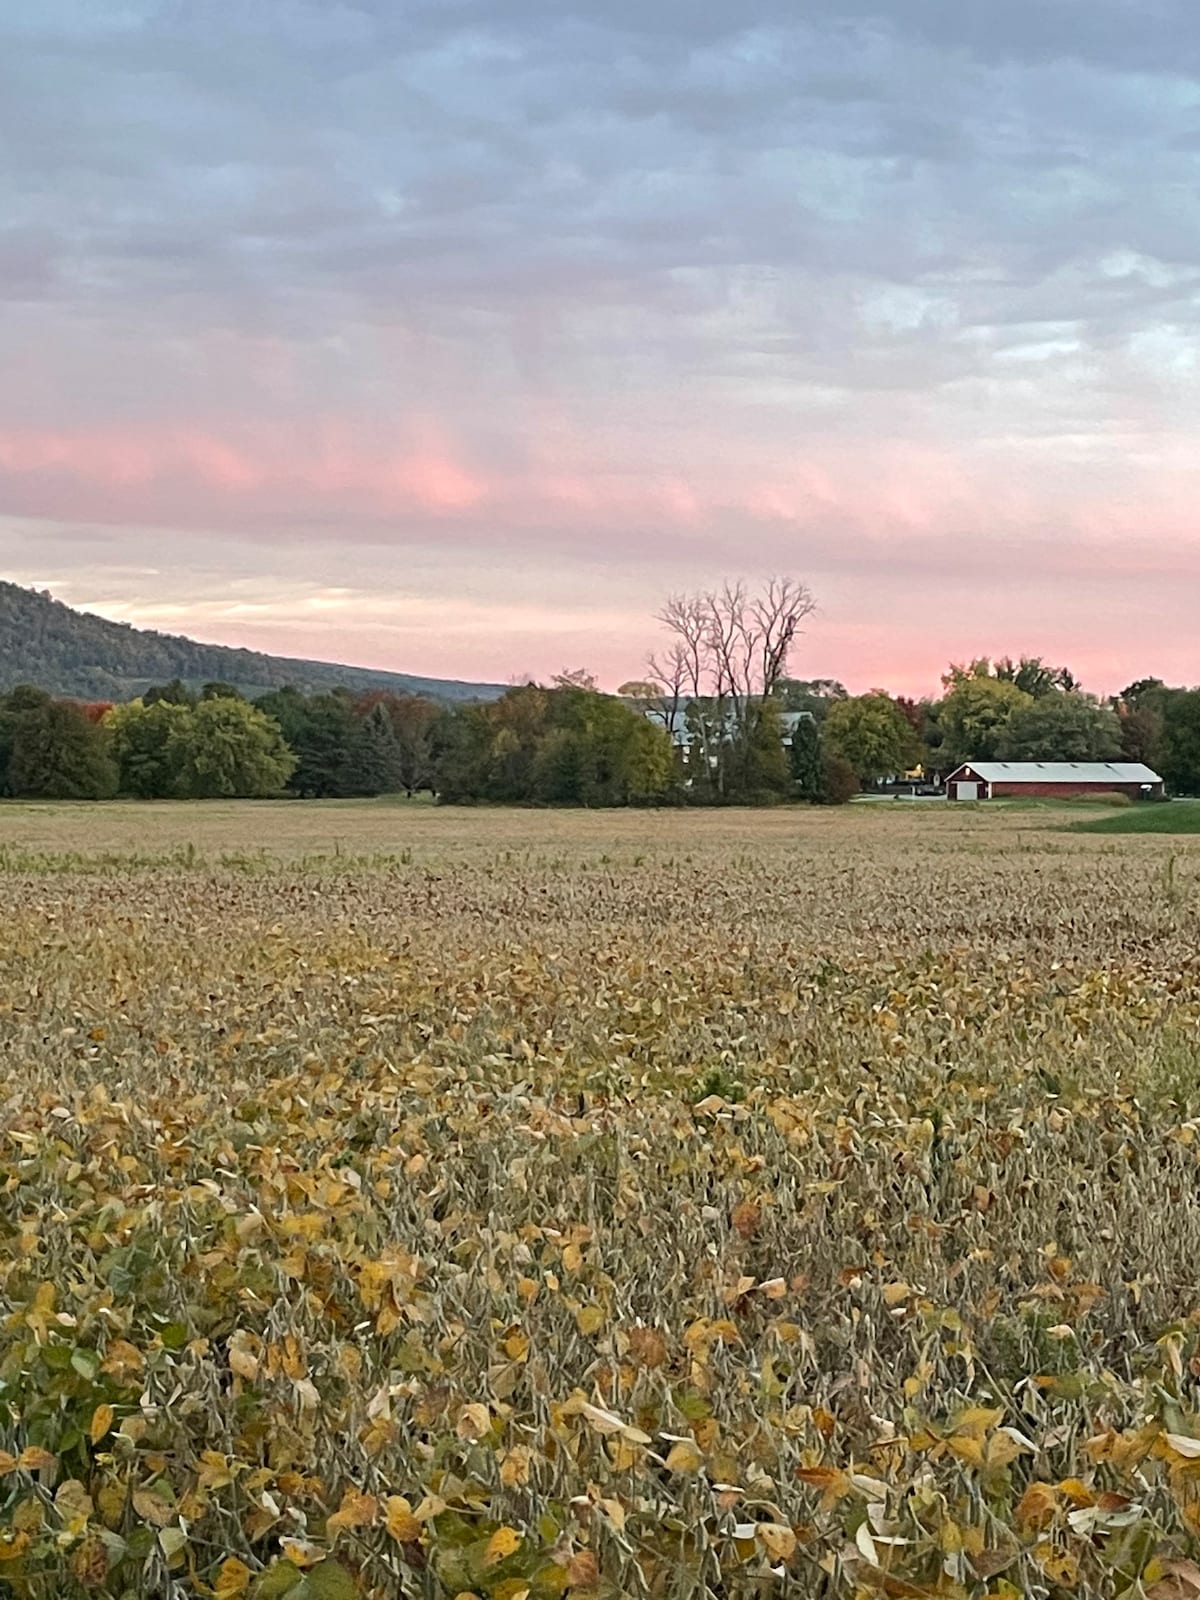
(729,654)
(686,668)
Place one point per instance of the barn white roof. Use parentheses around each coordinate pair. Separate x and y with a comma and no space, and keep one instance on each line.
(1062,771)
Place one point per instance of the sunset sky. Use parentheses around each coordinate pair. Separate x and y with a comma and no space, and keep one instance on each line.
(450,336)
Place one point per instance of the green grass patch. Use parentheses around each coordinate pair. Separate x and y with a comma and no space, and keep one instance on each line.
(1173,816)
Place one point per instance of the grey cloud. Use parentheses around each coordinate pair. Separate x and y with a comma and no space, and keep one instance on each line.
(895,203)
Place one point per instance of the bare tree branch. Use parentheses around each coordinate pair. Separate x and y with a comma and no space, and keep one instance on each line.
(730,653)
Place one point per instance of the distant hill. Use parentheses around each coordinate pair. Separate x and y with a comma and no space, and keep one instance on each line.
(74,653)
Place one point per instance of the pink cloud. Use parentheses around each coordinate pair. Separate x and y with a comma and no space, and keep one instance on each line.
(144,474)
(916,554)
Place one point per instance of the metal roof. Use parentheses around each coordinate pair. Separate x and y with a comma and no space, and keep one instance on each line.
(1061,771)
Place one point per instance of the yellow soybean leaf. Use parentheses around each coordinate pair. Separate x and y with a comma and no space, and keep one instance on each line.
(243,1362)
(102,1420)
(399,1519)
(833,1484)
(684,1456)
(515,1467)
(967,1449)
(1060,1566)
(777,1540)
(1037,1506)
(474,1420)
(123,1361)
(357,1510)
(89,1563)
(976,1420)
(1003,1448)
(73,1504)
(233,1579)
(13,1546)
(503,1543)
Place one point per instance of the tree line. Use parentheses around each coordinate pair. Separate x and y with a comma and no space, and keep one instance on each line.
(716,720)
(1000,710)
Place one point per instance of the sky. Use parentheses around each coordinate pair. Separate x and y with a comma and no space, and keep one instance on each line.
(452,336)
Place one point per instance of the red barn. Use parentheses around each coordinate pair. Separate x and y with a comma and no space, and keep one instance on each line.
(1052,780)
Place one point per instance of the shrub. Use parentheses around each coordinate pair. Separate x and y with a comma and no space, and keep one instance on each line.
(1107,797)
(839,781)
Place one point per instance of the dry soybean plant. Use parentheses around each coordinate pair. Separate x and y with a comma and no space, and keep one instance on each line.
(660,1207)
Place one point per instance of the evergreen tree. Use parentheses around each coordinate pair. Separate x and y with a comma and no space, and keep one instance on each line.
(806,759)
(373,758)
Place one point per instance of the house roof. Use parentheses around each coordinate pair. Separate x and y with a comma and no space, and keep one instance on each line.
(1061,771)
(660,711)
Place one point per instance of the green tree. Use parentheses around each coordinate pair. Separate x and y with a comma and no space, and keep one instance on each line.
(15,705)
(144,747)
(461,742)
(1033,676)
(1142,691)
(58,753)
(373,760)
(230,749)
(1061,727)
(1140,709)
(568,745)
(1179,761)
(597,751)
(974,717)
(321,730)
(646,762)
(518,721)
(815,695)
(759,768)
(806,758)
(871,733)
(561,771)
(221,691)
(175,693)
(413,719)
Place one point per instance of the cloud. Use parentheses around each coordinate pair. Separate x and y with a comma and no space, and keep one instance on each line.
(887,290)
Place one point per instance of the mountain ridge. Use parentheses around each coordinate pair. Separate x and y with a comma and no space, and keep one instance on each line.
(75,653)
